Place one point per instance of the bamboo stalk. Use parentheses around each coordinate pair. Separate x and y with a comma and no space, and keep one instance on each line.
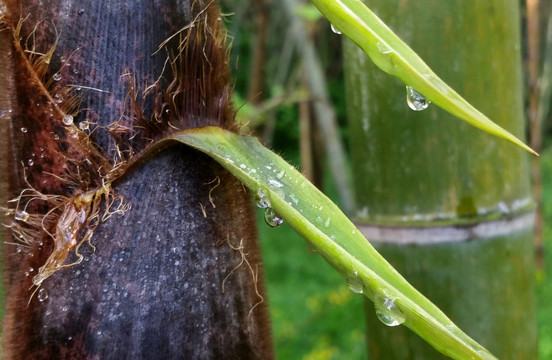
(419,171)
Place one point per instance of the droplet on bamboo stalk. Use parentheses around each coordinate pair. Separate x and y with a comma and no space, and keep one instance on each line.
(388,312)
(272,218)
(415,100)
(335,29)
(42,295)
(21,215)
(67,120)
(84,125)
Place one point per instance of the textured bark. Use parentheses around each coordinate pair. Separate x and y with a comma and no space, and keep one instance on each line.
(161,283)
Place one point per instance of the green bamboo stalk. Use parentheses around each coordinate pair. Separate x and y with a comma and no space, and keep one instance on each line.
(449,207)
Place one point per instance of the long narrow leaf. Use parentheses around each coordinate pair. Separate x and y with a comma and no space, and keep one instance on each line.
(393,56)
(316,218)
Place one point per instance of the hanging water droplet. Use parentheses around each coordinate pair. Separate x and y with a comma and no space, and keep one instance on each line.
(56,77)
(388,312)
(261,199)
(67,120)
(354,283)
(335,30)
(415,100)
(42,295)
(272,218)
(21,215)
(24,130)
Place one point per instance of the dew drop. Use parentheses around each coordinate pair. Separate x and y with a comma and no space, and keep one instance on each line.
(67,120)
(415,100)
(24,130)
(81,11)
(327,222)
(272,218)
(354,283)
(21,215)
(281,174)
(388,312)
(261,199)
(275,183)
(30,162)
(42,295)
(383,48)
(84,125)
(335,30)
(56,77)
(56,137)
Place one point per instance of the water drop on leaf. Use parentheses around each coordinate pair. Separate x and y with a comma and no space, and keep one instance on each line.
(415,100)
(261,199)
(335,30)
(272,218)
(354,283)
(388,312)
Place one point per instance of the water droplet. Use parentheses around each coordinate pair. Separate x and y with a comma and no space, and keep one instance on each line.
(84,125)
(24,130)
(30,162)
(388,312)
(272,218)
(81,11)
(335,30)
(415,100)
(354,283)
(56,77)
(281,174)
(56,137)
(21,215)
(327,222)
(261,199)
(275,183)
(42,295)
(67,120)
(383,48)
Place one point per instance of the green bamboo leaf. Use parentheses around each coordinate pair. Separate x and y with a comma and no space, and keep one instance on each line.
(316,218)
(393,56)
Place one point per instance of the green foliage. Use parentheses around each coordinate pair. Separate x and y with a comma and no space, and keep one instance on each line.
(393,56)
(282,189)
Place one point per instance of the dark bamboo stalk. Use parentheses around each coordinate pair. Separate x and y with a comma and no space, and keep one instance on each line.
(165,280)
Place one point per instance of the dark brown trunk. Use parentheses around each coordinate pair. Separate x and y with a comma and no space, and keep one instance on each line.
(161,283)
